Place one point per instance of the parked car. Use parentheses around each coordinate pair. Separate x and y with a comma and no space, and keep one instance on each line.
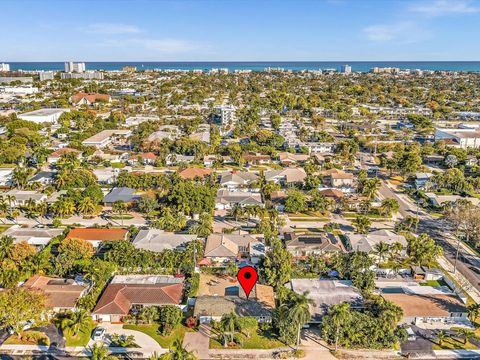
(28,325)
(98,334)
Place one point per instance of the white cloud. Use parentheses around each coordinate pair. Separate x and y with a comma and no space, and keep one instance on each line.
(112,29)
(436,8)
(401,32)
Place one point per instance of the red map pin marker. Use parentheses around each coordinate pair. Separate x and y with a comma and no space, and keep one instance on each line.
(247,277)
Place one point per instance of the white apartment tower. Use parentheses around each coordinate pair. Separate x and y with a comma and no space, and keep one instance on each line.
(346,69)
(4,67)
(73,67)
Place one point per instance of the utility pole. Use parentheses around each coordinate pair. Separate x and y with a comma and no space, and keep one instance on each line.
(456,256)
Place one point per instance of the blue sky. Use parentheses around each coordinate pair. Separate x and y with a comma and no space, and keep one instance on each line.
(248,30)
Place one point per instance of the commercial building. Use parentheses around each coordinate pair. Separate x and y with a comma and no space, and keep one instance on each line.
(22,79)
(105,137)
(43,115)
(462,138)
(19,90)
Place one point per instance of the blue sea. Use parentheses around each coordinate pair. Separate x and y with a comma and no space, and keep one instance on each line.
(362,66)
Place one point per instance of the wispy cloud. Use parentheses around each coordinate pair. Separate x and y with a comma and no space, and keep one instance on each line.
(435,8)
(401,32)
(112,29)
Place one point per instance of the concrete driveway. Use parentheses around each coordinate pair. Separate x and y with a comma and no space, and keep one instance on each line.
(142,340)
(198,341)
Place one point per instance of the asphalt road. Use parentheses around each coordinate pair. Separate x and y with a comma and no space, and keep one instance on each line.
(467,264)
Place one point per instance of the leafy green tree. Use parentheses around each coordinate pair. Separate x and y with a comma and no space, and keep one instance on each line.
(75,321)
(19,305)
(422,250)
(277,264)
(100,352)
(295,202)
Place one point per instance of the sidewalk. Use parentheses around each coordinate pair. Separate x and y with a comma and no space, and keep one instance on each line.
(460,279)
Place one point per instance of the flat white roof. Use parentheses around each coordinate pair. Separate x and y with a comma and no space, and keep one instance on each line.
(45,112)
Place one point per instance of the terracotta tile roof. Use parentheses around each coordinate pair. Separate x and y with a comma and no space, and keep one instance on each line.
(61,293)
(60,152)
(91,97)
(118,298)
(93,234)
(148,155)
(192,173)
(334,193)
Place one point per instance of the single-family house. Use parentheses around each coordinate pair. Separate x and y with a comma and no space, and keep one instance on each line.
(96,236)
(289,177)
(367,242)
(158,240)
(62,294)
(228,247)
(124,194)
(193,173)
(57,154)
(89,99)
(130,293)
(326,293)
(338,178)
(301,245)
(227,199)
(237,179)
(33,236)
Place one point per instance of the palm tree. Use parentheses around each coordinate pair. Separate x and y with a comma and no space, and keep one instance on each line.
(86,206)
(42,208)
(228,324)
(473,312)
(6,246)
(178,352)
(466,333)
(100,352)
(381,250)
(389,206)
(61,179)
(14,214)
(204,226)
(75,321)
(236,212)
(20,177)
(362,224)
(339,314)
(441,337)
(120,208)
(299,313)
(371,187)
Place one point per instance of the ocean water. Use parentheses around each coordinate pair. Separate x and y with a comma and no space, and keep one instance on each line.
(362,66)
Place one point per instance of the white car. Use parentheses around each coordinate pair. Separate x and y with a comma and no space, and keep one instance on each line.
(98,334)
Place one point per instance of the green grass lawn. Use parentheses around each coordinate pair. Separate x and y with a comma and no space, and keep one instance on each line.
(82,337)
(307,219)
(434,283)
(164,341)
(29,338)
(4,227)
(453,344)
(256,340)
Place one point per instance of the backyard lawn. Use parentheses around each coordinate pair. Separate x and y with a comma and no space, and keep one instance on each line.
(164,341)
(3,228)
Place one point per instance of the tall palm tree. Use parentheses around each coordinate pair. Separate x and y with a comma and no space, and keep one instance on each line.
(441,337)
(86,206)
(362,224)
(389,206)
(381,250)
(371,187)
(466,333)
(228,325)
(473,312)
(299,313)
(6,246)
(339,314)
